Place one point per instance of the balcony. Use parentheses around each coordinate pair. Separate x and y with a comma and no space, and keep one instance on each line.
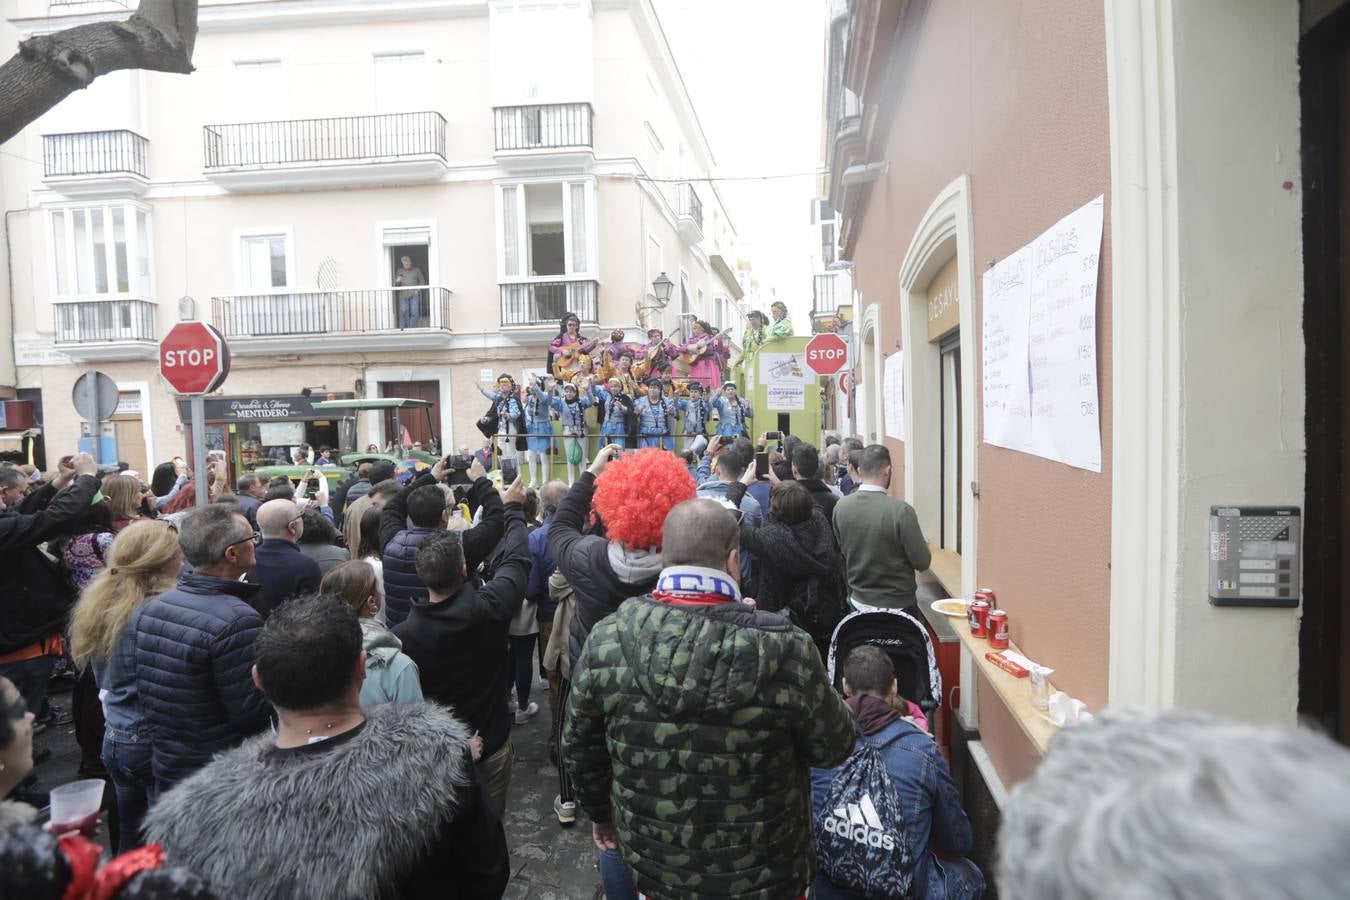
(335,321)
(96,163)
(311,154)
(689,213)
(553,136)
(832,294)
(542,303)
(106,329)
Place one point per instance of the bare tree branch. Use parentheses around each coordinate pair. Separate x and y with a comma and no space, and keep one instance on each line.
(159,36)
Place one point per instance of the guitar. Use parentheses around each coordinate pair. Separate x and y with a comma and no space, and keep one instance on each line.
(653,357)
(571,363)
(696,353)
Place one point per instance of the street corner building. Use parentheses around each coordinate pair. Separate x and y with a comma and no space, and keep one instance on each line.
(1095,314)
(368,200)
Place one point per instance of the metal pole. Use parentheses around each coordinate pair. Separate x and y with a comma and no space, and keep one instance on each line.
(198,408)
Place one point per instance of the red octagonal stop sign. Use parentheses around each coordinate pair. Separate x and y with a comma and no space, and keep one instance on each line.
(826,354)
(194,358)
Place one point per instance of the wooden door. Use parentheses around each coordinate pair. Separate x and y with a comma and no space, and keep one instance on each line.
(131,445)
(415,420)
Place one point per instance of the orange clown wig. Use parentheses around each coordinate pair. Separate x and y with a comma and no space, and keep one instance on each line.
(635,492)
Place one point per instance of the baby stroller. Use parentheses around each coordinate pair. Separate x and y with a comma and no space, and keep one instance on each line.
(905,641)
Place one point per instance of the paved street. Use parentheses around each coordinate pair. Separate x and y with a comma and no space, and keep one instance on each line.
(547,862)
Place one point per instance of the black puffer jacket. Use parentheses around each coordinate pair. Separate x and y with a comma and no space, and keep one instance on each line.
(35,597)
(802,570)
(601,577)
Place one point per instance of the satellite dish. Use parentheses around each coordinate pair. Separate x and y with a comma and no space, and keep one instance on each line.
(327,277)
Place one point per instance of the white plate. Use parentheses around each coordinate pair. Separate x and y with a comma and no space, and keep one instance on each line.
(953,607)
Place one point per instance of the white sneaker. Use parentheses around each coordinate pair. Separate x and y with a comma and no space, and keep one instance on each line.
(529,712)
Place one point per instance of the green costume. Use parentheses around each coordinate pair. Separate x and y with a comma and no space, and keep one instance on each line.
(692,728)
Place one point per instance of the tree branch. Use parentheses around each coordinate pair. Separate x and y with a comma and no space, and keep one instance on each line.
(159,36)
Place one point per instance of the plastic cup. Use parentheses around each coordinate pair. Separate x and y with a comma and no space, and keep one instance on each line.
(75,806)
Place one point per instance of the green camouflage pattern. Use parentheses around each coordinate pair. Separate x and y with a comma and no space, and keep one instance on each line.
(692,730)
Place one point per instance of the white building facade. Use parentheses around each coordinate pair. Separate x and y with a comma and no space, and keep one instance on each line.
(529,157)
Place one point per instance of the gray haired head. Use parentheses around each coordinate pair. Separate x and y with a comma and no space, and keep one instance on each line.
(205,533)
(1141,805)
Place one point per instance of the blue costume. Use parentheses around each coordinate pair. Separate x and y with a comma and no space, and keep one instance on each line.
(732,416)
(537,423)
(652,421)
(510,418)
(573,415)
(614,410)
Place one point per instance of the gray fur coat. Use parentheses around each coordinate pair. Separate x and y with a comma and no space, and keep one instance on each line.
(349,823)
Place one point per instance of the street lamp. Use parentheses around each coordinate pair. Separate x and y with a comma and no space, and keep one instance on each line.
(661,289)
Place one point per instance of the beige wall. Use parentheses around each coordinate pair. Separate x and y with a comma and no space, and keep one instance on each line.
(1030,129)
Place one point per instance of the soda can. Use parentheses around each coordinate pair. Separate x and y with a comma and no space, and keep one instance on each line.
(986,594)
(979,613)
(996,623)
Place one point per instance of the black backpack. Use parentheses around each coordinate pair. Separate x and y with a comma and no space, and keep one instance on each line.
(861,841)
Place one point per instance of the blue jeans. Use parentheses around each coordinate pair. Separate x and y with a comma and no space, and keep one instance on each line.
(948,879)
(619,438)
(128,763)
(614,876)
(30,676)
(649,440)
(409,309)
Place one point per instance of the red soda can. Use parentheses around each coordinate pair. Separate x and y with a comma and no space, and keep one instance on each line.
(986,594)
(997,625)
(978,610)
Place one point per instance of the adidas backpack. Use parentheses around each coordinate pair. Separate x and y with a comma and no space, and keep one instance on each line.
(861,843)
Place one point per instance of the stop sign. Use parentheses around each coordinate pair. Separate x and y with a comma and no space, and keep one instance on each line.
(826,354)
(194,358)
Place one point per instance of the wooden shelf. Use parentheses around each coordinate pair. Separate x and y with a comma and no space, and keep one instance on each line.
(1013,691)
(946,568)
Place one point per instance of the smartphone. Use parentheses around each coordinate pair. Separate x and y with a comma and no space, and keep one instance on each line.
(774,436)
(510,471)
(761,465)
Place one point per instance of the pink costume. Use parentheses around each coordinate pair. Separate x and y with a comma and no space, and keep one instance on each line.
(565,341)
(658,368)
(708,367)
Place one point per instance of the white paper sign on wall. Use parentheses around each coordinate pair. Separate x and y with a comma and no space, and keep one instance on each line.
(893,395)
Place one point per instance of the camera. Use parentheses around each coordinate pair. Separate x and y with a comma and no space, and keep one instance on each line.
(457,461)
(458,464)
(774,436)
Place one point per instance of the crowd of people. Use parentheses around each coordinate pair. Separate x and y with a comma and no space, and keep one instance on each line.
(298,697)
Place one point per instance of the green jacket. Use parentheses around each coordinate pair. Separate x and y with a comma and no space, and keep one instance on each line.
(692,730)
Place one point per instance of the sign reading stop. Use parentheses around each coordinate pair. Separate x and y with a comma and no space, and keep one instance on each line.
(826,354)
(194,358)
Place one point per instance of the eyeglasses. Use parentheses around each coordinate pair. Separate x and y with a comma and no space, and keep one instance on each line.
(254,539)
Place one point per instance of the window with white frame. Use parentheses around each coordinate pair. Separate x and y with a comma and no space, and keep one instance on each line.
(402,82)
(266,276)
(548,230)
(101,252)
(684,294)
(546,251)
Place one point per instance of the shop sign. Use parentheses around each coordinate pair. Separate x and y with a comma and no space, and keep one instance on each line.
(256,409)
(944,303)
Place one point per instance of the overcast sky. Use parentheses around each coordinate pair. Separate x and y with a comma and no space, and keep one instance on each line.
(754,70)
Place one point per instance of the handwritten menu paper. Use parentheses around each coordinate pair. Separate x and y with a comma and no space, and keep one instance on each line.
(1007,384)
(893,395)
(1040,344)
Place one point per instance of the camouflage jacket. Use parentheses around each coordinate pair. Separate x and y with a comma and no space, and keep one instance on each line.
(692,730)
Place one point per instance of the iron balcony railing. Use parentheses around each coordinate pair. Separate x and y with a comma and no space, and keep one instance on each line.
(543,127)
(544,302)
(689,204)
(103,321)
(826,294)
(292,141)
(95,153)
(332,312)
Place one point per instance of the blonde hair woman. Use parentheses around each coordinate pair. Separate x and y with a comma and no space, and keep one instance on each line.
(123,495)
(143,561)
(391,675)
